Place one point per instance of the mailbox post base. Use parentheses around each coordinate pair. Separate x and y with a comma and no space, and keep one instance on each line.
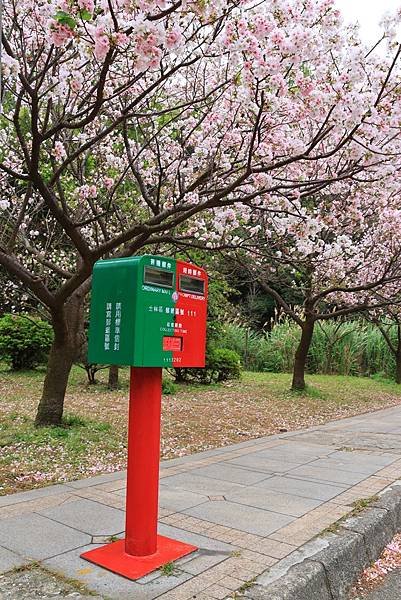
(114,558)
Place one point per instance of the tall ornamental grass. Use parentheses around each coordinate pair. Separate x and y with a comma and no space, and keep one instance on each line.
(348,348)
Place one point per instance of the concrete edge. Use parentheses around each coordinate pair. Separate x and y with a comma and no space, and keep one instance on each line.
(326,567)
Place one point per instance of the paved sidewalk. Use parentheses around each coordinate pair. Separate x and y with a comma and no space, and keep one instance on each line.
(245,506)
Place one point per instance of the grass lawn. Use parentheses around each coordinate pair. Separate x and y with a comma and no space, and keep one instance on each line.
(93,437)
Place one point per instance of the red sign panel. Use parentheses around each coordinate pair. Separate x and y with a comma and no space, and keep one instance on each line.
(172,343)
(190,311)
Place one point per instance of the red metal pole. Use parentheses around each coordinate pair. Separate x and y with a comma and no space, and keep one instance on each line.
(142,551)
(143,461)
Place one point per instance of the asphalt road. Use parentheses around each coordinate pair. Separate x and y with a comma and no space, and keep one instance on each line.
(390,589)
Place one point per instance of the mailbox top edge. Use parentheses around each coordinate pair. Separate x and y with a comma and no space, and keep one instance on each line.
(128,260)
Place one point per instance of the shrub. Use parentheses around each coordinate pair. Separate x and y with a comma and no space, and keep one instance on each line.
(168,387)
(225,363)
(221,364)
(352,347)
(24,341)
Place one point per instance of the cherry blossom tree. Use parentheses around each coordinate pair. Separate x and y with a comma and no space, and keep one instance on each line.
(340,256)
(126,121)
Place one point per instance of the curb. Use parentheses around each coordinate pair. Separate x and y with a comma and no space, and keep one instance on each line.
(326,568)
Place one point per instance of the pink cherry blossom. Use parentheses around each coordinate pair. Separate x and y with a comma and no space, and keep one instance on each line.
(87,191)
(88,5)
(121,38)
(102,43)
(173,38)
(59,151)
(108,182)
(60,33)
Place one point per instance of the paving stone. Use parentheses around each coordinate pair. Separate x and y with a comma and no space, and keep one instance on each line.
(300,487)
(200,541)
(23,508)
(107,584)
(89,481)
(358,465)
(291,455)
(107,498)
(353,438)
(285,504)
(112,486)
(172,462)
(306,527)
(88,516)
(281,569)
(230,583)
(328,474)
(217,591)
(202,560)
(201,485)
(50,490)
(36,537)
(256,462)
(380,460)
(366,489)
(274,549)
(238,516)
(232,473)
(271,439)
(9,560)
(178,499)
(296,448)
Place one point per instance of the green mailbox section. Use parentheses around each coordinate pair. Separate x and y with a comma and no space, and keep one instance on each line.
(148,311)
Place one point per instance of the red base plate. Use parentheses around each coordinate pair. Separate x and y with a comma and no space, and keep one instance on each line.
(114,558)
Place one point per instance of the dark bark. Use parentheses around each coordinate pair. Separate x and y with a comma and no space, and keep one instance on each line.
(67,325)
(50,409)
(113,377)
(301,355)
(179,375)
(91,371)
(398,356)
(398,366)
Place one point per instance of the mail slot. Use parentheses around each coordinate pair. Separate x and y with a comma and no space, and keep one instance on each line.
(192,285)
(158,277)
(148,311)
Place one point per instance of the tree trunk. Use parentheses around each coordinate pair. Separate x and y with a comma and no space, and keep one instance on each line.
(398,366)
(301,355)
(179,375)
(91,371)
(68,325)
(113,377)
(398,356)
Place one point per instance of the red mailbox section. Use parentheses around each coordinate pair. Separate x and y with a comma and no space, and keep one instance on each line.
(189,341)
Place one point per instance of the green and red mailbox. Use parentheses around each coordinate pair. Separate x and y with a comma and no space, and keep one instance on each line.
(147,312)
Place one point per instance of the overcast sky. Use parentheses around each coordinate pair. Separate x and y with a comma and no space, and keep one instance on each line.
(368,13)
